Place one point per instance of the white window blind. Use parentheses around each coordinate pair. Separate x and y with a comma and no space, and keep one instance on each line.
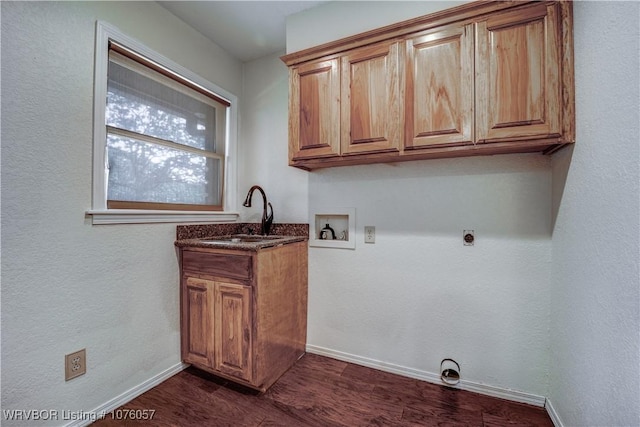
(165,138)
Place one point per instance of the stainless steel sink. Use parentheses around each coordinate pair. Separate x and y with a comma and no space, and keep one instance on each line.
(242,238)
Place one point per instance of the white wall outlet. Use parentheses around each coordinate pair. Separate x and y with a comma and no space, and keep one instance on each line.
(369,234)
(75,364)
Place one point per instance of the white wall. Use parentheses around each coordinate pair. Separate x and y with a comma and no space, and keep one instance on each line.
(337,19)
(264,146)
(66,284)
(418,295)
(415,296)
(595,316)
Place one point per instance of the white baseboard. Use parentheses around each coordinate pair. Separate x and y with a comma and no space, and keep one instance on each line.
(555,418)
(129,395)
(513,395)
(503,393)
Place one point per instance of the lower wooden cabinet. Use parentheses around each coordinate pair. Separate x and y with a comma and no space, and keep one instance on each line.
(198,297)
(249,324)
(218,326)
(232,339)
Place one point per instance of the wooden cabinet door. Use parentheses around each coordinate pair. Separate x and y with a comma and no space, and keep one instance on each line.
(314,110)
(518,93)
(439,87)
(233,330)
(198,299)
(370,99)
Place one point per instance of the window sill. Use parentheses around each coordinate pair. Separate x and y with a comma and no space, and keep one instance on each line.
(126,216)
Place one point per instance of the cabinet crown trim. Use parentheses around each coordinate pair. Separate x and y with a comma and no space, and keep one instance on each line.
(448,16)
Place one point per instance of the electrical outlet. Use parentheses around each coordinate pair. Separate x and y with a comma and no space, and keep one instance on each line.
(468,237)
(369,234)
(75,364)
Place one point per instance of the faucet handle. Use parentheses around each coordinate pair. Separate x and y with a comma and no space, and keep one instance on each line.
(269,220)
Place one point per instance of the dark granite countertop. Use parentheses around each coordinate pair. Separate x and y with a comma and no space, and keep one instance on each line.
(219,236)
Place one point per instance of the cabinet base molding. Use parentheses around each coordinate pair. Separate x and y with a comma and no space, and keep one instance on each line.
(260,387)
(481,149)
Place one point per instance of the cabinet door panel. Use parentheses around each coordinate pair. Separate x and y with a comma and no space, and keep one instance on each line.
(518,67)
(198,305)
(439,87)
(370,108)
(233,330)
(314,110)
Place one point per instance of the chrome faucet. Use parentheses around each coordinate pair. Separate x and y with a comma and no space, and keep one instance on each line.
(266,220)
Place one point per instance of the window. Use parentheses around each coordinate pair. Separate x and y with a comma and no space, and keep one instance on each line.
(162,137)
(164,140)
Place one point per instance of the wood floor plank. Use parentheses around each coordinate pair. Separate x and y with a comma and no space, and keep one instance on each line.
(306,374)
(442,417)
(322,392)
(333,402)
(517,414)
(419,393)
(201,406)
(318,368)
(376,377)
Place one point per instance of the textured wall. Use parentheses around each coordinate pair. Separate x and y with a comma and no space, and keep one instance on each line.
(595,359)
(264,148)
(418,295)
(66,284)
(591,349)
(338,19)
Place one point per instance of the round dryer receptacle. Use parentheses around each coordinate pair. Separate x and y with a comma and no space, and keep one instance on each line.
(449,372)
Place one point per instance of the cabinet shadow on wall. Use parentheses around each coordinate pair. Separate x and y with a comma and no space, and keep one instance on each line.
(506,196)
(560,165)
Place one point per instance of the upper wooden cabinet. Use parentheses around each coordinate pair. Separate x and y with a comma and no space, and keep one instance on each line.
(347,105)
(439,87)
(314,106)
(481,78)
(518,74)
(370,99)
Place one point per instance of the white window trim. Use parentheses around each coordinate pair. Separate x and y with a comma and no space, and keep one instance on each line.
(99,212)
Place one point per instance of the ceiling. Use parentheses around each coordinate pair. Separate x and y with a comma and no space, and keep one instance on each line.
(245,29)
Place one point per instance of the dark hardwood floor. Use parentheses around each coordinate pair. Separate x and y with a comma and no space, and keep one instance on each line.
(323,392)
